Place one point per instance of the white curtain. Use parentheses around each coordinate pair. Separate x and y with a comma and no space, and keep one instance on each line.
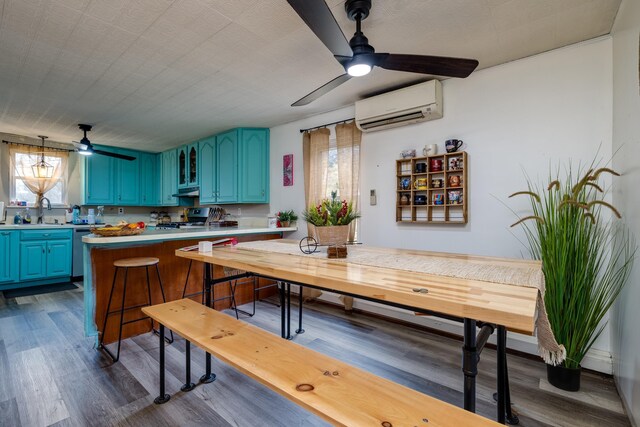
(22,160)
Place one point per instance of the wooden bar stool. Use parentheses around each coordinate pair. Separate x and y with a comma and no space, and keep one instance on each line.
(126,264)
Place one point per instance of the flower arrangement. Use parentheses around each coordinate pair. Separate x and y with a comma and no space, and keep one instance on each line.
(286,217)
(331,212)
(586,259)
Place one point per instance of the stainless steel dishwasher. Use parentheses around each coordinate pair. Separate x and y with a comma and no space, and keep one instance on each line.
(76,263)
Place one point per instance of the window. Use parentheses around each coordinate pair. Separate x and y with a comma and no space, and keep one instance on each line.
(22,178)
(333,182)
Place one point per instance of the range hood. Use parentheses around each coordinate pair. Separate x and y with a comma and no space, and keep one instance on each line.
(188,192)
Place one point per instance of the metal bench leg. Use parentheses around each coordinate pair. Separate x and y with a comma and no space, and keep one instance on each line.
(208,377)
(470,364)
(162,397)
(188,385)
(300,330)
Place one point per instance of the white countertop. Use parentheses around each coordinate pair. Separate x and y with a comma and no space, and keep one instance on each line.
(182,234)
(40,226)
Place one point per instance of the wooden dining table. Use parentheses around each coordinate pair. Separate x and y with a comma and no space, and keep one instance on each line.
(480,305)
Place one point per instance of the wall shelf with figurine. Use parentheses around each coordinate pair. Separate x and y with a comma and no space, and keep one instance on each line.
(433,189)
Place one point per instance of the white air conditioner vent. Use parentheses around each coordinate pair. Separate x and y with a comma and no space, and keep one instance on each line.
(409,105)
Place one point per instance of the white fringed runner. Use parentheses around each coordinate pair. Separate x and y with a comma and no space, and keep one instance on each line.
(515,275)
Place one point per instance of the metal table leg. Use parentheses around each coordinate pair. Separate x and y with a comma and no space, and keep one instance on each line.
(283,314)
(470,364)
(289,311)
(300,330)
(502,341)
(162,397)
(208,377)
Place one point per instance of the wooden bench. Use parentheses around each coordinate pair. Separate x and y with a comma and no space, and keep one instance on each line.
(335,391)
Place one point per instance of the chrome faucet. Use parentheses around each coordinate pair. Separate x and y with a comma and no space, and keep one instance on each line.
(41,208)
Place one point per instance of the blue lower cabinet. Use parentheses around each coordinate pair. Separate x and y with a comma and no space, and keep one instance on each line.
(45,255)
(9,255)
(58,258)
(33,260)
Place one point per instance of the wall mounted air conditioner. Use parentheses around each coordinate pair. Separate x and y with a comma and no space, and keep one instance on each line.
(405,106)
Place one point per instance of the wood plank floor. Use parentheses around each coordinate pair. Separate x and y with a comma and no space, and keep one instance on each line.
(51,375)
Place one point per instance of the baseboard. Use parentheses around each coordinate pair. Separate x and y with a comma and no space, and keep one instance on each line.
(596,360)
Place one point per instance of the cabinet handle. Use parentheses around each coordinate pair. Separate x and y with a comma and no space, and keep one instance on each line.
(263,192)
(49,250)
(42,250)
(119,197)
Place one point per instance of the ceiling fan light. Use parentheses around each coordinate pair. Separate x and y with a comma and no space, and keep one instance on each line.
(85,152)
(358,69)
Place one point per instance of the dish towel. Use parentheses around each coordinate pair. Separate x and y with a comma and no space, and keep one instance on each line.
(440,264)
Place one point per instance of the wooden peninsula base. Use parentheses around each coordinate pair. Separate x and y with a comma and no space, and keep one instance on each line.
(173,273)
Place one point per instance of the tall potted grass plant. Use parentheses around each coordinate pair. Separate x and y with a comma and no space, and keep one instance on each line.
(586,260)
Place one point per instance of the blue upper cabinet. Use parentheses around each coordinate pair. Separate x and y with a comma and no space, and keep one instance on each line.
(254,165)
(9,250)
(208,184)
(227,167)
(127,179)
(169,178)
(188,166)
(183,174)
(219,168)
(149,179)
(193,166)
(99,180)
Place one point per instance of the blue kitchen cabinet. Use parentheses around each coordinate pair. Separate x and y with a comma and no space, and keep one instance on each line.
(169,178)
(254,165)
(193,165)
(99,180)
(127,173)
(227,167)
(58,258)
(33,260)
(44,254)
(208,184)
(149,179)
(9,252)
(219,168)
(182,156)
(187,155)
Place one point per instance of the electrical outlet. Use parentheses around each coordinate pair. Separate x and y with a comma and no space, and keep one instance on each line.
(120,211)
(239,211)
(372,197)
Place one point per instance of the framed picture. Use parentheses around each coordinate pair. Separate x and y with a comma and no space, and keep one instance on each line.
(287,170)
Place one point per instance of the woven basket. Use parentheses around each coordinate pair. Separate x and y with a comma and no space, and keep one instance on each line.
(126,231)
(332,235)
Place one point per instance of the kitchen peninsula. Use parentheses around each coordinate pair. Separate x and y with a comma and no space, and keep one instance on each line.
(101,252)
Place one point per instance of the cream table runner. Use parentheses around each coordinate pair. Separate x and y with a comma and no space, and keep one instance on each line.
(527,275)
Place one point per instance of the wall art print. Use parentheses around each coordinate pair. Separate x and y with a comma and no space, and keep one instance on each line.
(287,170)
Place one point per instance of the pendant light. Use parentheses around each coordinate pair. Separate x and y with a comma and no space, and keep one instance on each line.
(42,169)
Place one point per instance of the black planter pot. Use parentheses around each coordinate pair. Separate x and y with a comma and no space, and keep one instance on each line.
(564,378)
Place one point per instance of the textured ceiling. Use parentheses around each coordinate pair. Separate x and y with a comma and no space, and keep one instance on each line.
(152,74)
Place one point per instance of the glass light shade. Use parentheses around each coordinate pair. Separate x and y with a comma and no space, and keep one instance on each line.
(85,152)
(42,169)
(357,70)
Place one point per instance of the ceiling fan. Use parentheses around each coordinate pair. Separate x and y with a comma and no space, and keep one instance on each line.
(85,148)
(357,56)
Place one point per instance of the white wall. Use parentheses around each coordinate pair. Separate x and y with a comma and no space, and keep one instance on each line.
(626,138)
(524,115)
